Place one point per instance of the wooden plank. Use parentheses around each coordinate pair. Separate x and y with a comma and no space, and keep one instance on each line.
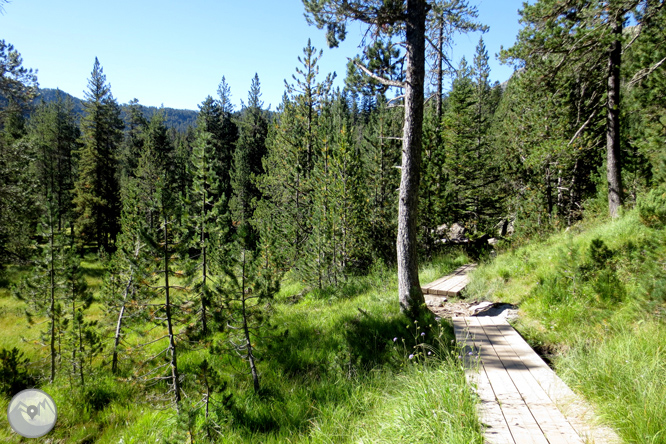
(552,422)
(459,272)
(451,287)
(578,413)
(496,430)
(522,425)
(449,283)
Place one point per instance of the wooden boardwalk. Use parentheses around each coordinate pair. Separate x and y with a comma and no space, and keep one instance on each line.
(522,400)
(449,285)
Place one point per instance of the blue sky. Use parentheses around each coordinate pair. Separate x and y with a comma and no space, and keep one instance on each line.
(174,53)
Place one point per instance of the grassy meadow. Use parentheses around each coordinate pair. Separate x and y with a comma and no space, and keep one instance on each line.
(593,299)
(341,365)
(337,365)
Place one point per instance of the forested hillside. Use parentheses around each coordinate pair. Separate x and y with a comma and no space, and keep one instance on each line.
(178,119)
(234,275)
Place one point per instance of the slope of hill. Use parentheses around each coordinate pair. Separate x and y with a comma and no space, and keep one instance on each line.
(178,119)
(593,300)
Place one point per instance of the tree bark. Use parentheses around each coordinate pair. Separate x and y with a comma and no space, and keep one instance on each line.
(409,289)
(613,165)
(52,301)
(121,314)
(440,69)
(167,302)
(246,332)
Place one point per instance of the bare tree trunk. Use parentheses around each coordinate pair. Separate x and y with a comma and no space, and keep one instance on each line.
(167,302)
(409,289)
(81,357)
(121,315)
(246,331)
(204,275)
(52,301)
(440,69)
(613,167)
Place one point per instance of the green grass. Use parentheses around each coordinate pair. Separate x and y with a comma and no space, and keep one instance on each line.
(331,372)
(595,296)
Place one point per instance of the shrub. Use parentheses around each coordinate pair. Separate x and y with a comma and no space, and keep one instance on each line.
(652,207)
(14,375)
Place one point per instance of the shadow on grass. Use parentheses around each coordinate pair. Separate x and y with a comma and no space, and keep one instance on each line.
(308,368)
(375,341)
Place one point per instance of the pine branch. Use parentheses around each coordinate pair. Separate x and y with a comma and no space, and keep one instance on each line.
(580,130)
(382,80)
(643,73)
(441,53)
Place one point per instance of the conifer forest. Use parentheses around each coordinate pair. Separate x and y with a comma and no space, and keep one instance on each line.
(241,274)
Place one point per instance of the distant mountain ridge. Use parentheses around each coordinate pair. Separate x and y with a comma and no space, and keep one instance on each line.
(179,119)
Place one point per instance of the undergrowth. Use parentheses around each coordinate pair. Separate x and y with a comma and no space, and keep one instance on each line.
(337,365)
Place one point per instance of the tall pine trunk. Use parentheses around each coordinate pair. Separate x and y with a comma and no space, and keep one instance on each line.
(613,168)
(440,69)
(409,289)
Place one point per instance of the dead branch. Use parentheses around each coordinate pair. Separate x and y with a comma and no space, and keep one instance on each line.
(382,80)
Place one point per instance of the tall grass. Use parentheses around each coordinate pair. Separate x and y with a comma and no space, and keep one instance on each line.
(595,295)
(624,374)
(334,364)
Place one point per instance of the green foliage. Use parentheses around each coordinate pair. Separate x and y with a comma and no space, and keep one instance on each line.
(652,207)
(14,375)
(54,132)
(19,188)
(380,154)
(132,146)
(215,118)
(284,215)
(208,222)
(248,162)
(96,191)
(18,85)
(382,58)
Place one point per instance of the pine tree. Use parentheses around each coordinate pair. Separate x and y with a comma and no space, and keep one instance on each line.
(546,172)
(18,85)
(122,293)
(154,164)
(84,341)
(445,18)
(55,134)
(460,139)
(336,246)
(208,221)
(293,147)
(132,146)
(248,166)
(96,191)
(381,156)
(20,202)
(216,120)
(645,91)
(251,285)
(166,248)
(18,218)
(576,41)
(410,19)
(42,289)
